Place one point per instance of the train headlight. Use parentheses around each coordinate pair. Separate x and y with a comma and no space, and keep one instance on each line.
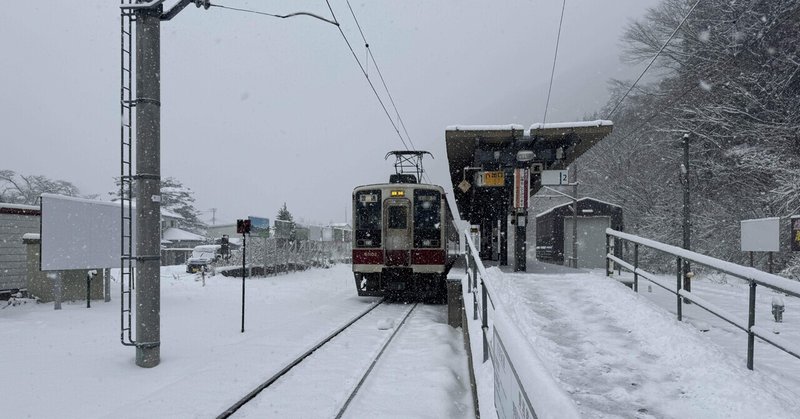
(367,242)
(426,243)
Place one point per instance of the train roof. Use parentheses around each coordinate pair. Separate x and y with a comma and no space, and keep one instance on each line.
(399,185)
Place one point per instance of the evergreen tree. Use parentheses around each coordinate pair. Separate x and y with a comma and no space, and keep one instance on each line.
(285,227)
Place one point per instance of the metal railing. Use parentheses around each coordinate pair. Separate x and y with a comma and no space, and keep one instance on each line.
(683,256)
(476,273)
(522,374)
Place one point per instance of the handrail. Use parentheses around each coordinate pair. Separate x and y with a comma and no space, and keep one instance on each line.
(752,275)
(527,369)
(745,272)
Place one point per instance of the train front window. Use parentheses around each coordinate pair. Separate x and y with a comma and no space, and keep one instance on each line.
(368,210)
(398,217)
(367,218)
(427,218)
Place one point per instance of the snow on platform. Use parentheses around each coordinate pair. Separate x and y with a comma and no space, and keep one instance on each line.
(619,355)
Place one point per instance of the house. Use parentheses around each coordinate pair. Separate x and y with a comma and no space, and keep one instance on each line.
(15,221)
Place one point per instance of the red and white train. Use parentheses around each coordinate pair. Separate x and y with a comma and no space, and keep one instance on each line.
(404,238)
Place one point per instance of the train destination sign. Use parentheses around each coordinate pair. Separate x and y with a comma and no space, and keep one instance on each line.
(490,179)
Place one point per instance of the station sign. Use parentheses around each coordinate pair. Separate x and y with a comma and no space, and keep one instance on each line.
(555,177)
(522,179)
(490,179)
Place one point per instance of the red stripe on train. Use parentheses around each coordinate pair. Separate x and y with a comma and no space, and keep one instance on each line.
(368,257)
(427,257)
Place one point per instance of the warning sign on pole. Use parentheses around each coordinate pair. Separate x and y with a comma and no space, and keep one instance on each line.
(522,180)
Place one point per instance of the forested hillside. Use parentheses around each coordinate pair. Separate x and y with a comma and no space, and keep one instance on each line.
(730,77)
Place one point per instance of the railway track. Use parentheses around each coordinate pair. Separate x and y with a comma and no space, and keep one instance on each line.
(329,374)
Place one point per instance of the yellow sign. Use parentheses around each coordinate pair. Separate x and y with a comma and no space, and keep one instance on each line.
(490,178)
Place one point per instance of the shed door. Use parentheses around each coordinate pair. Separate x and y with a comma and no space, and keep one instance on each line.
(591,241)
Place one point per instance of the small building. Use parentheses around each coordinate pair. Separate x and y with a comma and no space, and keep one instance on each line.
(554,229)
(15,221)
(177,245)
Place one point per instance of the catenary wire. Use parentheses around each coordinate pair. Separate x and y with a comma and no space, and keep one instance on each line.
(380,74)
(555,57)
(652,61)
(363,71)
(670,104)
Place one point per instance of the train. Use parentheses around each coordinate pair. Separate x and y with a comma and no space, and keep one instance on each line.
(404,237)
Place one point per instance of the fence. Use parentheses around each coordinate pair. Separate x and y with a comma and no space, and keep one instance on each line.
(523,387)
(682,256)
(274,255)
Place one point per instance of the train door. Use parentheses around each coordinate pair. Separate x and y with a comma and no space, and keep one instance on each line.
(397,236)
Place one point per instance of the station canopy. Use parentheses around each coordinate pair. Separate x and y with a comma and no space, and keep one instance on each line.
(555,146)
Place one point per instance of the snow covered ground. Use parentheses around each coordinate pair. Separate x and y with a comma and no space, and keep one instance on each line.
(69,363)
(620,355)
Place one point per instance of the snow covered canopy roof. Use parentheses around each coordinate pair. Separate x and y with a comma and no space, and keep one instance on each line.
(555,146)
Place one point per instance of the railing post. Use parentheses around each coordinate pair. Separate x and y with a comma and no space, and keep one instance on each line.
(678,290)
(751,321)
(608,250)
(466,269)
(635,267)
(485,323)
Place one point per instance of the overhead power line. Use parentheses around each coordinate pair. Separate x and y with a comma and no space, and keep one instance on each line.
(380,74)
(555,56)
(652,61)
(363,71)
(275,15)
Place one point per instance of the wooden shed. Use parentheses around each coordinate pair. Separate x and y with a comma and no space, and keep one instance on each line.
(15,221)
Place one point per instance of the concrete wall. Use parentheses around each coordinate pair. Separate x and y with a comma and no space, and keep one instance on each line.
(15,221)
(73,281)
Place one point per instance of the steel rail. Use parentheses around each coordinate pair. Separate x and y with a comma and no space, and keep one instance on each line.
(374,361)
(251,395)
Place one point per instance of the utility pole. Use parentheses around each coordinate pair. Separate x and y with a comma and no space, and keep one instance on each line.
(575,215)
(148,186)
(687,283)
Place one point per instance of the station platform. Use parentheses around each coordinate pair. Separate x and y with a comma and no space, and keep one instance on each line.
(617,354)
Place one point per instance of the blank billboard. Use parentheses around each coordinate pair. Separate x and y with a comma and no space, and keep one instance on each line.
(761,235)
(80,233)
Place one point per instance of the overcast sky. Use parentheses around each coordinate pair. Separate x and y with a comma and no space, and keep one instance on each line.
(258,111)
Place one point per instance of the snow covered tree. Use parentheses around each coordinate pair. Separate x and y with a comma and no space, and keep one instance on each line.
(285,227)
(729,78)
(20,189)
(177,198)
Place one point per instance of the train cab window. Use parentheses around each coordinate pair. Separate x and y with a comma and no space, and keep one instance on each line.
(368,218)
(398,217)
(427,218)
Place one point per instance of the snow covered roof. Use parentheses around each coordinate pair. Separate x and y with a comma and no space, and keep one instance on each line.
(19,206)
(176,234)
(566,204)
(581,124)
(507,127)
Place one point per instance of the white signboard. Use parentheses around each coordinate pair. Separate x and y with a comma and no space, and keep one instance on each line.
(761,235)
(80,233)
(555,177)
